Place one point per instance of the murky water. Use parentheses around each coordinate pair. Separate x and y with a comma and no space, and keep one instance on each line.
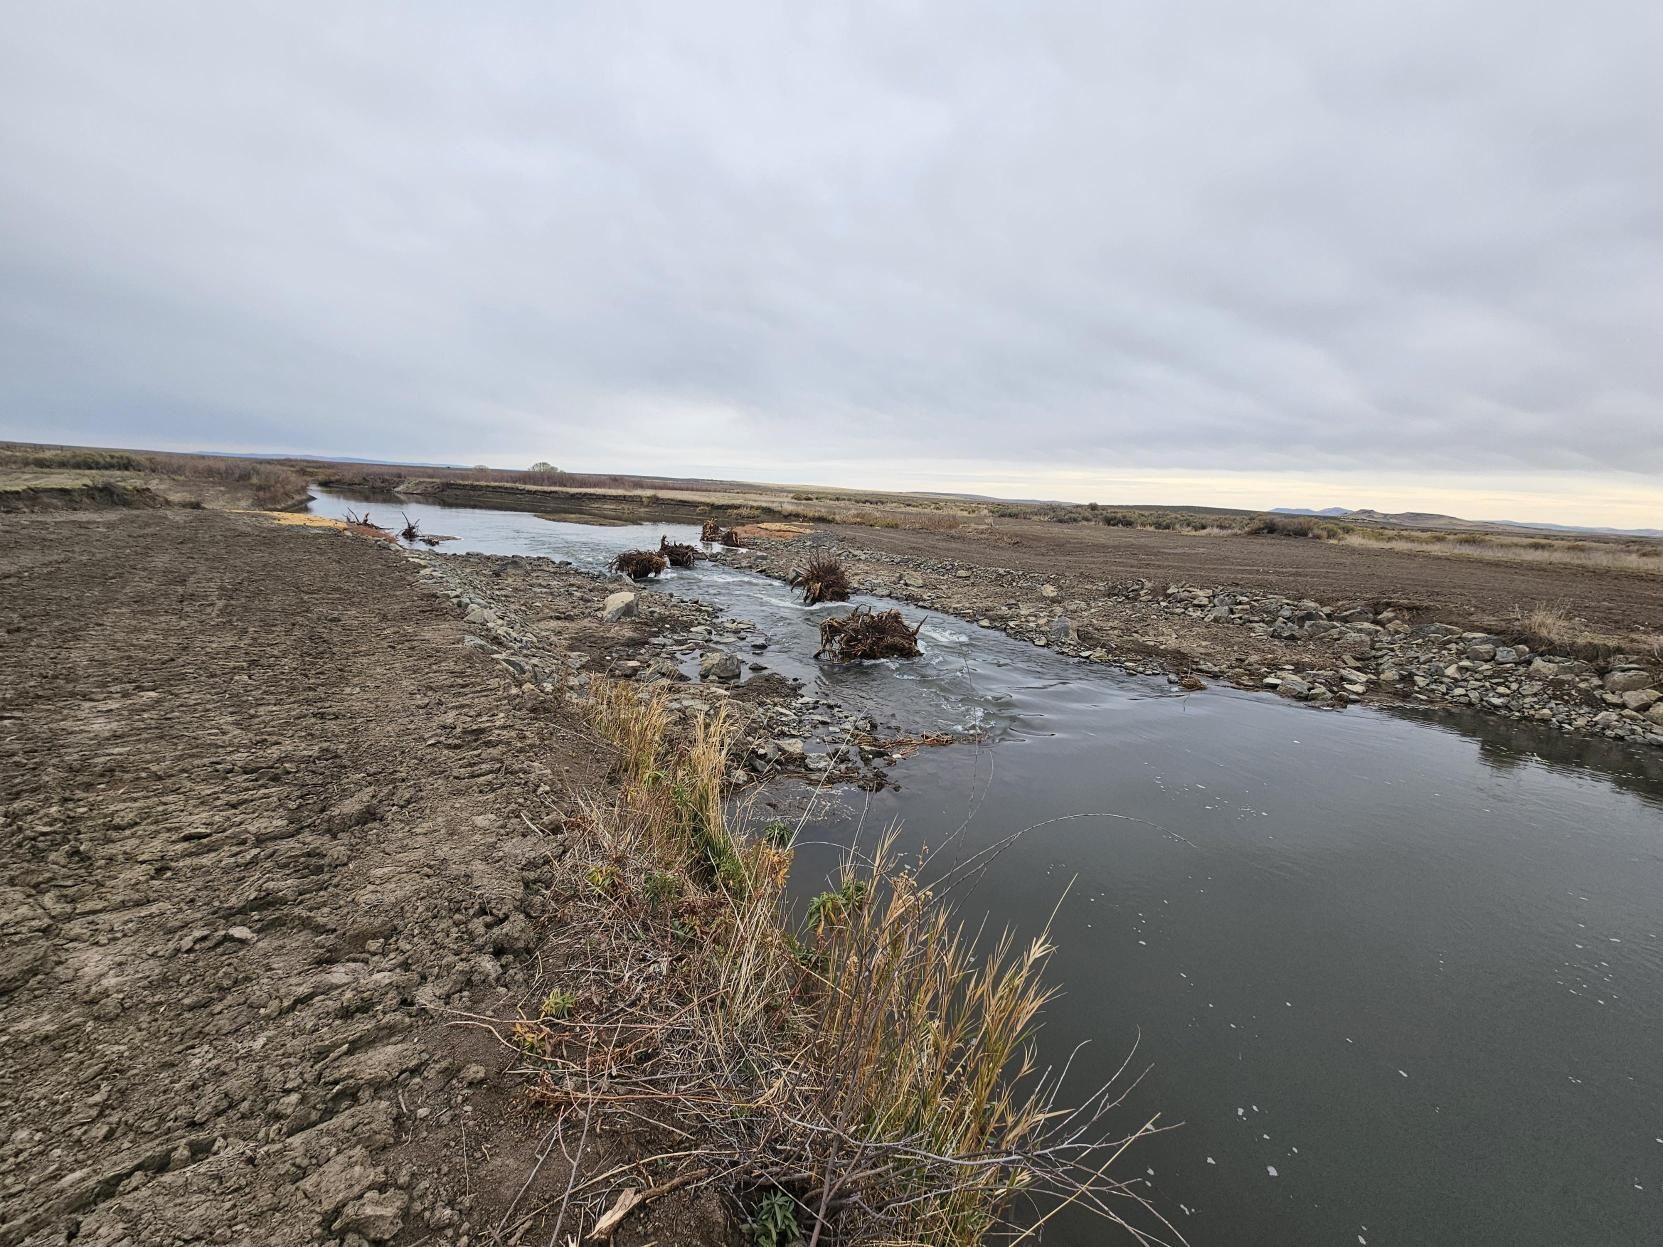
(1400,978)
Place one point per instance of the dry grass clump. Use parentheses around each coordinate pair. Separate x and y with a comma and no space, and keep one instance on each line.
(822,579)
(867,1078)
(1552,629)
(864,633)
(1550,626)
(679,554)
(639,564)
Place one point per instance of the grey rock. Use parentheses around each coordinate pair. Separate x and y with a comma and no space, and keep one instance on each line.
(1641,698)
(620,605)
(1628,681)
(1293,686)
(718,666)
(1062,630)
(1355,643)
(1481,651)
(789,747)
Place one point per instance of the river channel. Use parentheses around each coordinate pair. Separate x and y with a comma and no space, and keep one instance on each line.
(1393,978)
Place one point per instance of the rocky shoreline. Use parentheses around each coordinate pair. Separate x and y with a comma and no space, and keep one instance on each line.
(554,628)
(1329,655)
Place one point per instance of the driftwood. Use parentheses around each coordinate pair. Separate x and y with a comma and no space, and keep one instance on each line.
(865,634)
(821,580)
(639,564)
(365,527)
(711,533)
(679,554)
(412,533)
(730,537)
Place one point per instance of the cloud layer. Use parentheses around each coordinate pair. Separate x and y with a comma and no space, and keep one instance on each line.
(1324,240)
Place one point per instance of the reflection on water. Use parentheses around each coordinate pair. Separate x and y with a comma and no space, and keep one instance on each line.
(1399,976)
(1506,744)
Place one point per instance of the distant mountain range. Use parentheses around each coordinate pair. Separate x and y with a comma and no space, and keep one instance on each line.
(1426,519)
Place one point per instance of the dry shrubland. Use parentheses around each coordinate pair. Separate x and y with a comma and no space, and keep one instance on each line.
(270,485)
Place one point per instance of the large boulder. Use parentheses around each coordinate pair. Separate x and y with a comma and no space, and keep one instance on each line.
(621,605)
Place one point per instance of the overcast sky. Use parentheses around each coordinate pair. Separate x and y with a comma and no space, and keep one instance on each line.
(1392,255)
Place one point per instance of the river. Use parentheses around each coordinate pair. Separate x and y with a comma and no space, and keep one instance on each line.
(1393,978)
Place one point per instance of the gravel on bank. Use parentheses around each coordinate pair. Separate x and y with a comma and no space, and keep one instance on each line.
(1328,654)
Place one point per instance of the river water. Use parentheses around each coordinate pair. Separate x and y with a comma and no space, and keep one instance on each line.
(1394,979)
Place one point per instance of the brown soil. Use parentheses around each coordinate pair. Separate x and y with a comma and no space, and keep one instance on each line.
(271,834)
(1455,589)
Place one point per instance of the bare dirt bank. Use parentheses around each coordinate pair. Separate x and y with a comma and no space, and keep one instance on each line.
(1376,644)
(269,829)
(1468,592)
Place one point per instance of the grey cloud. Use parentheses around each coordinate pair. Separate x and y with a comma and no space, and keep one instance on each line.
(1226,235)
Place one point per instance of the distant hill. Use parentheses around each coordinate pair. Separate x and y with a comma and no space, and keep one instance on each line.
(1429,519)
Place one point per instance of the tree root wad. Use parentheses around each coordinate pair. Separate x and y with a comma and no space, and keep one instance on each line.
(639,564)
(713,533)
(865,634)
(678,554)
(822,580)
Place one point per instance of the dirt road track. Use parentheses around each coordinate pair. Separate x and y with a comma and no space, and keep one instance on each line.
(260,823)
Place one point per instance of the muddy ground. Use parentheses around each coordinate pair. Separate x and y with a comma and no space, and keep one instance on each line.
(1466,591)
(275,837)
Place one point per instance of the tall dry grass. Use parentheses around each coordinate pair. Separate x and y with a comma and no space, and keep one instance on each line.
(1553,629)
(871,1071)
